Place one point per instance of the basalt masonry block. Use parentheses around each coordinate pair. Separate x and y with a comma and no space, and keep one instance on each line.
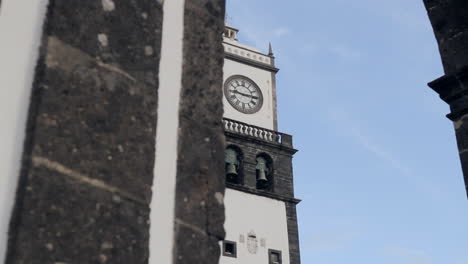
(85,185)
(199,208)
(73,223)
(449,19)
(293,232)
(283,188)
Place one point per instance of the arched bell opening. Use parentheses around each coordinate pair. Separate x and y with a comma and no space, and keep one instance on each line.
(264,172)
(234,165)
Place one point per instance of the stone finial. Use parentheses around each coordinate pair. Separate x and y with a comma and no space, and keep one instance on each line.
(270,50)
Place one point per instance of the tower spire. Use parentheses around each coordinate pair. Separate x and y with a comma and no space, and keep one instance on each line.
(270,50)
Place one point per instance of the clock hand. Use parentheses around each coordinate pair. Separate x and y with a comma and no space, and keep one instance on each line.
(248,95)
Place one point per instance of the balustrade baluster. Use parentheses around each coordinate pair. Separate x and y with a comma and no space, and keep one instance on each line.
(252,131)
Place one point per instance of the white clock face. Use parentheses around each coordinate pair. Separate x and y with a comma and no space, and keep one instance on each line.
(243,94)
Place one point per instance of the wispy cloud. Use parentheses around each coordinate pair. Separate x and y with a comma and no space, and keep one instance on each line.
(408,255)
(379,151)
(354,130)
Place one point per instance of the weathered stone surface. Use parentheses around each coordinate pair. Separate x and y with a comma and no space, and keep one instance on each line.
(200,191)
(282,163)
(69,221)
(449,20)
(293,233)
(89,154)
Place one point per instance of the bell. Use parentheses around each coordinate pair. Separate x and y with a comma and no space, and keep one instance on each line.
(262,169)
(262,176)
(232,162)
(231,170)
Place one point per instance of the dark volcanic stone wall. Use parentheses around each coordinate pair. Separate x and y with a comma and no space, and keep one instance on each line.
(88,161)
(282,163)
(293,233)
(200,191)
(449,19)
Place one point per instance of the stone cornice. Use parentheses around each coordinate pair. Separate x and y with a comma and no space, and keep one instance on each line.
(288,150)
(263,193)
(262,66)
(453,89)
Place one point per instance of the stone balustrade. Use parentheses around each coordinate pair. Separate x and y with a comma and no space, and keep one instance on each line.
(268,135)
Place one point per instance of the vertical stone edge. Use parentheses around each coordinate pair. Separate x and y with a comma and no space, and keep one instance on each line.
(22,46)
(449,20)
(275,101)
(87,92)
(199,212)
(293,233)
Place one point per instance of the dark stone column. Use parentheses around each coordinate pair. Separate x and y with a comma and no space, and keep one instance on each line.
(293,233)
(200,189)
(88,158)
(449,19)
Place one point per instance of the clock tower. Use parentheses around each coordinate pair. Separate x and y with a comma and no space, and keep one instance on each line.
(261,221)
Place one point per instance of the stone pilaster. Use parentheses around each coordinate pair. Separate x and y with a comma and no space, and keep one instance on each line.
(199,215)
(85,185)
(449,19)
(293,233)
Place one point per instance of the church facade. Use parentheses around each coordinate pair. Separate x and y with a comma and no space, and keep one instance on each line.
(261,221)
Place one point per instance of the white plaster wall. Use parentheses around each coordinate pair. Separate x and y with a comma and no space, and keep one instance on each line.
(266,217)
(165,169)
(21,29)
(264,117)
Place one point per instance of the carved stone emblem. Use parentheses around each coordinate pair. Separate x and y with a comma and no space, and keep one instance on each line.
(252,243)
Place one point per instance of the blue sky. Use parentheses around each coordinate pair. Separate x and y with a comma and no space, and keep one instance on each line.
(377,167)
